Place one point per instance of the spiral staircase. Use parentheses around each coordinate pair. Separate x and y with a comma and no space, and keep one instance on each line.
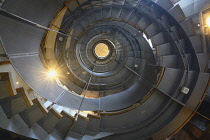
(136,88)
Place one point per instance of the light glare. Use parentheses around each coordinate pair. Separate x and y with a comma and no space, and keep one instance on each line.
(208,22)
(52,73)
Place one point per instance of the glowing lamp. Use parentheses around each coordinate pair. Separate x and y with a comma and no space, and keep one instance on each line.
(52,73)
(208,22)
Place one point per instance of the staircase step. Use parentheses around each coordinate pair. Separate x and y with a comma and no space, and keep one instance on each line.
(93,125)
(95,4)
(107,2)
(85,6)
(83,22)
(126,13)
(90,18)
(118,2)
(150,74)
(169,61)
(192,102)
(169,78)
(199,90)
(116,11)
(79,127)
(189,27)
(174,31)
(165,21)
(164,49)
(144,22)
(130,62)
(203,59)
(18,8)
(159,39)
(98,14)
(33,114)
(116,122)
(6,85)
(177,13)
(15,104)
(166,4)
(135,17)
(156,12)
(77,30)
(19,126)
(144,86)
(33,35)
(107,12)
(197,43)
(55,135)
(132,30)
(153,29)
(130,53)
(49,121)
(73,136)
(64,124)
(101,135)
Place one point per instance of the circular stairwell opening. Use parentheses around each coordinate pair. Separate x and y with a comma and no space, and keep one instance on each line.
(101,50)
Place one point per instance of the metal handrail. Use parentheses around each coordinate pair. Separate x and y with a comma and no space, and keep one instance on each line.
(180,51)
(40,26)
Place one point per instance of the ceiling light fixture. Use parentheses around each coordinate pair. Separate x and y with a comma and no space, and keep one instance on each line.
(52,73)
